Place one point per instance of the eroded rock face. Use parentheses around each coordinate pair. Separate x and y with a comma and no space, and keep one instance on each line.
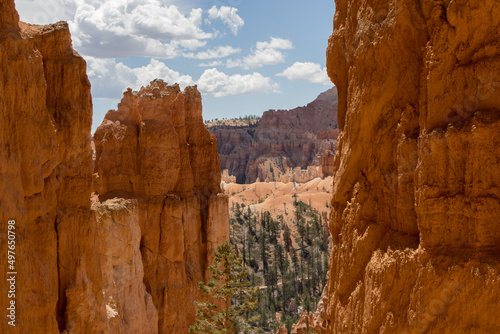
(155,149)
(125,265)
(416,203)
(126,306)
(45,168)
(327,164)
(282,139)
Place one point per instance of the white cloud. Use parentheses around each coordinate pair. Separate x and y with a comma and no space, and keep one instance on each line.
(155,20)
(308,72)
(219,52)
(229,16)
(265,53)
(156,69)
(109,78)
(125,28)
(192,44)
(44,12)
(211,64)
(220,84)
(275,43)
(161,29)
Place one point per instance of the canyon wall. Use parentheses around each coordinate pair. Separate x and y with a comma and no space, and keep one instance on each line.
(45,170)
(416,201)
(281,139)
(128,257)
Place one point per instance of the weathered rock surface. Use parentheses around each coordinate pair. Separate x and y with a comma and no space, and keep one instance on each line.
(45,169)
(156,150)
(416,202)
(127,306)
(122,265)
(281,139)
(227,178)
(327,164)
(300,175)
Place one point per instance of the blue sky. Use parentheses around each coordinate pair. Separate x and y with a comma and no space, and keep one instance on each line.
(246,56)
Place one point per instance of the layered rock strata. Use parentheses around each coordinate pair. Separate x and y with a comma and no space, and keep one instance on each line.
(281,139)
(128,260)
(416,202)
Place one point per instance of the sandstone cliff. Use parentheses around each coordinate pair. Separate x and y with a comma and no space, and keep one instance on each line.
(45,169)
(281,139)
(416,202)
(129,260)
(155,149)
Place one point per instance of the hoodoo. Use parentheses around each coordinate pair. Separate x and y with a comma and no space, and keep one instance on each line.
(155,150)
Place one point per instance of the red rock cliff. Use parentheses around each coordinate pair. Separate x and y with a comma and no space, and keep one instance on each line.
(155,149)
(281,139)
(129,263)
(45,169)
(416,203)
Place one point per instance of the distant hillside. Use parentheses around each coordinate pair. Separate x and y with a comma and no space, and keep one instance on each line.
(262,149)
(245,121)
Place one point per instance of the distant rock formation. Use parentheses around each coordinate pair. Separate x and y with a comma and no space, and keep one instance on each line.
(416,201)
(300,175)
(327,164)
(281,139)
(228,178)
(128,258)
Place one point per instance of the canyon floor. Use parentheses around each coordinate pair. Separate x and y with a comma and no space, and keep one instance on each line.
(278,197)
(281,231)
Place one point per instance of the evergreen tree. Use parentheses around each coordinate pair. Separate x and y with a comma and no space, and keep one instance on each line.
(287,238)
(286,266)
(264,251)
(230,298)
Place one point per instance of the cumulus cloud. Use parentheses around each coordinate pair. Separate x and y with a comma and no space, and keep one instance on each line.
(275,43)
(265,53)
(212,63)
(307,72)
(218,52)
(110,78)
(229,16)
(192,44)
(161,29)
(131,28)
(220,84)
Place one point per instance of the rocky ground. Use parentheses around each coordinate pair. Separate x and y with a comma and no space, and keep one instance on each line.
(278,197)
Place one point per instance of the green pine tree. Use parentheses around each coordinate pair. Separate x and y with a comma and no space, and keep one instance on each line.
(230,299)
